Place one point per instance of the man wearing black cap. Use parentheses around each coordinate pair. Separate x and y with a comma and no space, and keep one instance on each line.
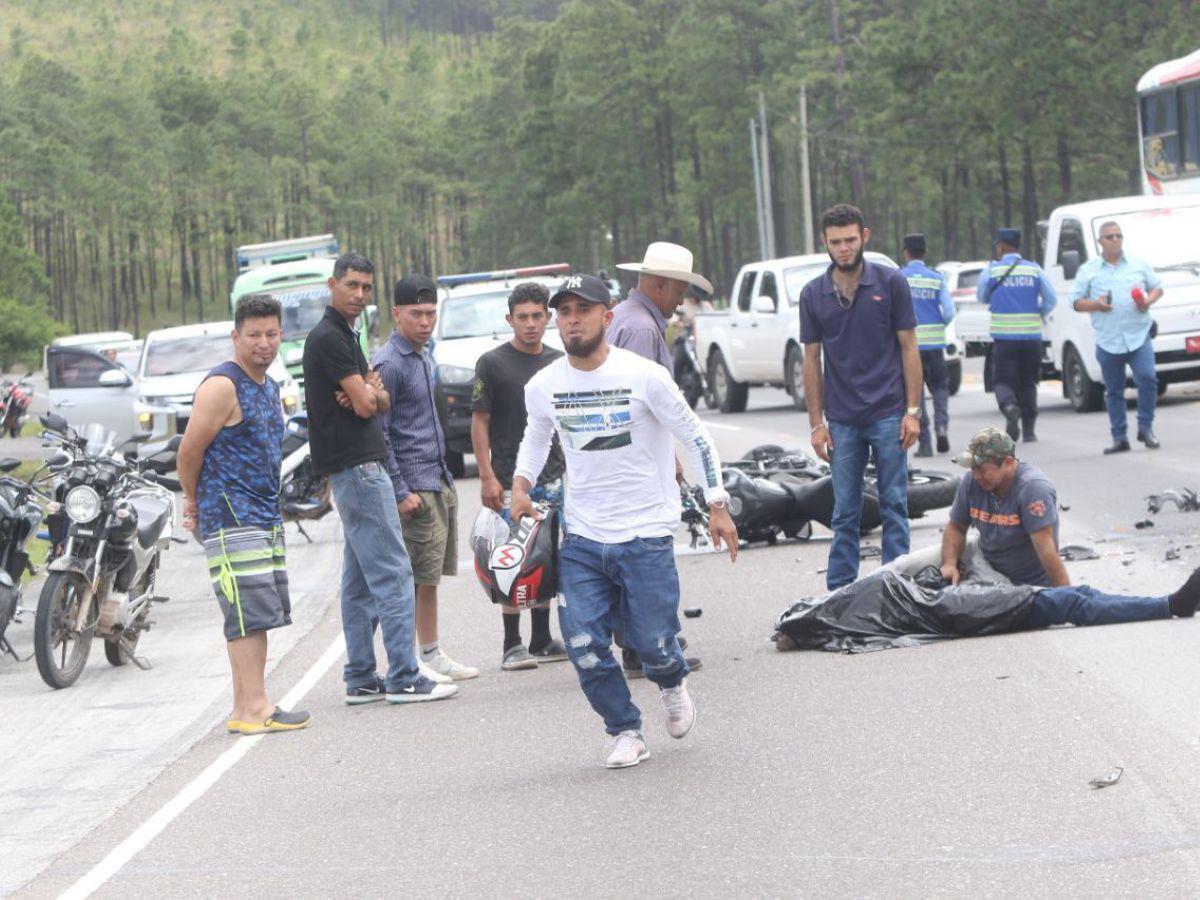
(1020,296)
(416,462)
(934,310)
(615,413)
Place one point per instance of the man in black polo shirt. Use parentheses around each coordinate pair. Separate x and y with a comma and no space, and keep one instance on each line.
(346,443)
(858,317)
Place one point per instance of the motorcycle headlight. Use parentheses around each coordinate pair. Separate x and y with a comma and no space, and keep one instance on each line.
(82,504)
(448,374)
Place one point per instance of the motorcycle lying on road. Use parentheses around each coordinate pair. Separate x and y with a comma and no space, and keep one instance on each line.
(773,492)
(15,398)
(20,515)
(303,495)
(112,517)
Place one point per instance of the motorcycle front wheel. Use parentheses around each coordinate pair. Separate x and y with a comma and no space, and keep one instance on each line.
(61,651)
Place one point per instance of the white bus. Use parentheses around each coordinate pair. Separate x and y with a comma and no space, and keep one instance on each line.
(1169,126)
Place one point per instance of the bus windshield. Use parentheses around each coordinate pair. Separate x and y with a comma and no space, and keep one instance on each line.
(1169,126)
(1166,238)
(303,307)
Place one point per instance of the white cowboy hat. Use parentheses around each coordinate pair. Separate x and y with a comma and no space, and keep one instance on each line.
(669,261)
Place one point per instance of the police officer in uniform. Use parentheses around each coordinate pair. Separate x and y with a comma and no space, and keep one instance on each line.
(1020,297)
(934,309)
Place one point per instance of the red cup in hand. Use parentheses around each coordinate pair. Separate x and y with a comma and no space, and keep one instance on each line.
(1139,297)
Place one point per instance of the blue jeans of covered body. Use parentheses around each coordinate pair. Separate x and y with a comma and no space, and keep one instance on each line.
(1085,605)
(634,586)
(852,444)
(1112,368)
(377,579)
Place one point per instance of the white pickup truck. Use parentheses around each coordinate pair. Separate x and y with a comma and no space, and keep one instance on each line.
(1162,231)
(757,340)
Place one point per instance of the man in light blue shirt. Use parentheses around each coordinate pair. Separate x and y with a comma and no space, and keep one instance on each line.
(1118,291)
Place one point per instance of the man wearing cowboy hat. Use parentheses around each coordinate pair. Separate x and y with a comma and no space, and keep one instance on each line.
(639,324)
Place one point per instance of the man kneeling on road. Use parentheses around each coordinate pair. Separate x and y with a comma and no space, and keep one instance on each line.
(1013,506)
(229,464)
(615,413)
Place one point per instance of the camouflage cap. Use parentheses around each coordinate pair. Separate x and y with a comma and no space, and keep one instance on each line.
(988,445)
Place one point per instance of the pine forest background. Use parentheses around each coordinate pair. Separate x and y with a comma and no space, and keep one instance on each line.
(142,140)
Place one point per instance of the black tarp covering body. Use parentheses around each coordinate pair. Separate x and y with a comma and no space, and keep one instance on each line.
(887,610)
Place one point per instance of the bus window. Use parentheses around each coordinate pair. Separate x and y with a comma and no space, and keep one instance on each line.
(1160,123)
(1189,108)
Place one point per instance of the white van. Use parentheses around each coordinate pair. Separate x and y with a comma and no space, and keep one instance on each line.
(1160,230)
(175,361)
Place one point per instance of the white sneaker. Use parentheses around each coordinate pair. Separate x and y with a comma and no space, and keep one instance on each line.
(436,677)
(628,750)
(455,671)
(681,711)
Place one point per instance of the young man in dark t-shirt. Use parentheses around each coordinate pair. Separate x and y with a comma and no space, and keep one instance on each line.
(497,426)
(858,320)
(343,397)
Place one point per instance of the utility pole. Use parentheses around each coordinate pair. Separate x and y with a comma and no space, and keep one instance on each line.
(758,193)
(805,175)
(768,203)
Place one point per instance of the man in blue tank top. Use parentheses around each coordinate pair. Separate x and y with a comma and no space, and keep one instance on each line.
(1020,297)
(934,310)
(229,465)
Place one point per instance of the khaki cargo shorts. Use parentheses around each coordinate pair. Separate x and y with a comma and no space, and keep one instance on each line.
(431,536)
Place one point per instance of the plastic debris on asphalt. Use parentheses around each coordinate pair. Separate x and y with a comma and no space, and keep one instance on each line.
(693,612)
(1145,523)
(1077,552)
(1185,500)
(1108,780)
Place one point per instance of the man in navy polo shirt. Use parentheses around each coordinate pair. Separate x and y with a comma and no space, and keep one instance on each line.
(859,316)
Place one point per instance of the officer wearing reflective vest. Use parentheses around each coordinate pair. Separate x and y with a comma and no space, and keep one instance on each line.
(934,309)
(1020,297)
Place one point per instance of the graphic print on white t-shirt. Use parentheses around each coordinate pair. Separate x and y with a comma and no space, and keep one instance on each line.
(594,420)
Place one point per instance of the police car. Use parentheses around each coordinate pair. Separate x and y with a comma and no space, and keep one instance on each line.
(471,311)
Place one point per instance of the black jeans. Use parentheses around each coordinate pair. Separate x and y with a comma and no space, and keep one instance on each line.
(937,378)
(1016,369)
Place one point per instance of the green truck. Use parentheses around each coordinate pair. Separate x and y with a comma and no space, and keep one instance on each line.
(296,273)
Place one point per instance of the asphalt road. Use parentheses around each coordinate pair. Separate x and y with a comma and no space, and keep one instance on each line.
(956,768)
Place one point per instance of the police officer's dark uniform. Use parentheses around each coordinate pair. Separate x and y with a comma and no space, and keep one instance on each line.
(1020,296)
(934,310)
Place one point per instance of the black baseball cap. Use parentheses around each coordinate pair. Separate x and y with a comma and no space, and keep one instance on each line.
(1010,236)
(915,242)
(585,287)
(414,288)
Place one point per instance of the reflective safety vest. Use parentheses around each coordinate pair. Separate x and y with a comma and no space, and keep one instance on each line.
(1015,304)
(926,287)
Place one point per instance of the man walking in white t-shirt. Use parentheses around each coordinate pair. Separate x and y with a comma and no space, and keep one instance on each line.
(615,413)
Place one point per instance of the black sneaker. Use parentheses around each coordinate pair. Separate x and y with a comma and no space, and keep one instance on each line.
(943,443)
(369,694)
(421,691)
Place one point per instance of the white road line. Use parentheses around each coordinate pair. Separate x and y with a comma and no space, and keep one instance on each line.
(195,789)
(709,423)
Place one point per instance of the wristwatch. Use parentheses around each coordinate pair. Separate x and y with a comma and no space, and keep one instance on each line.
(718,504)
(914,411)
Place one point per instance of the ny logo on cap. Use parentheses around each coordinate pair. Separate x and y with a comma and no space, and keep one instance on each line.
(573,282)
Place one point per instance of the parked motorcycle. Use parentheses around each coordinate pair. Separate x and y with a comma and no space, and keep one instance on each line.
(774,491)
(689,373)
(112,516)
(303,495)
(20,515)
(15,398)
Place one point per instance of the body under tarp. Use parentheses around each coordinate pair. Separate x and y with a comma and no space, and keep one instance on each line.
(887,609)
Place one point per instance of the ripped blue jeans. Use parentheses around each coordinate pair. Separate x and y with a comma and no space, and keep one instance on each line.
(635,586)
